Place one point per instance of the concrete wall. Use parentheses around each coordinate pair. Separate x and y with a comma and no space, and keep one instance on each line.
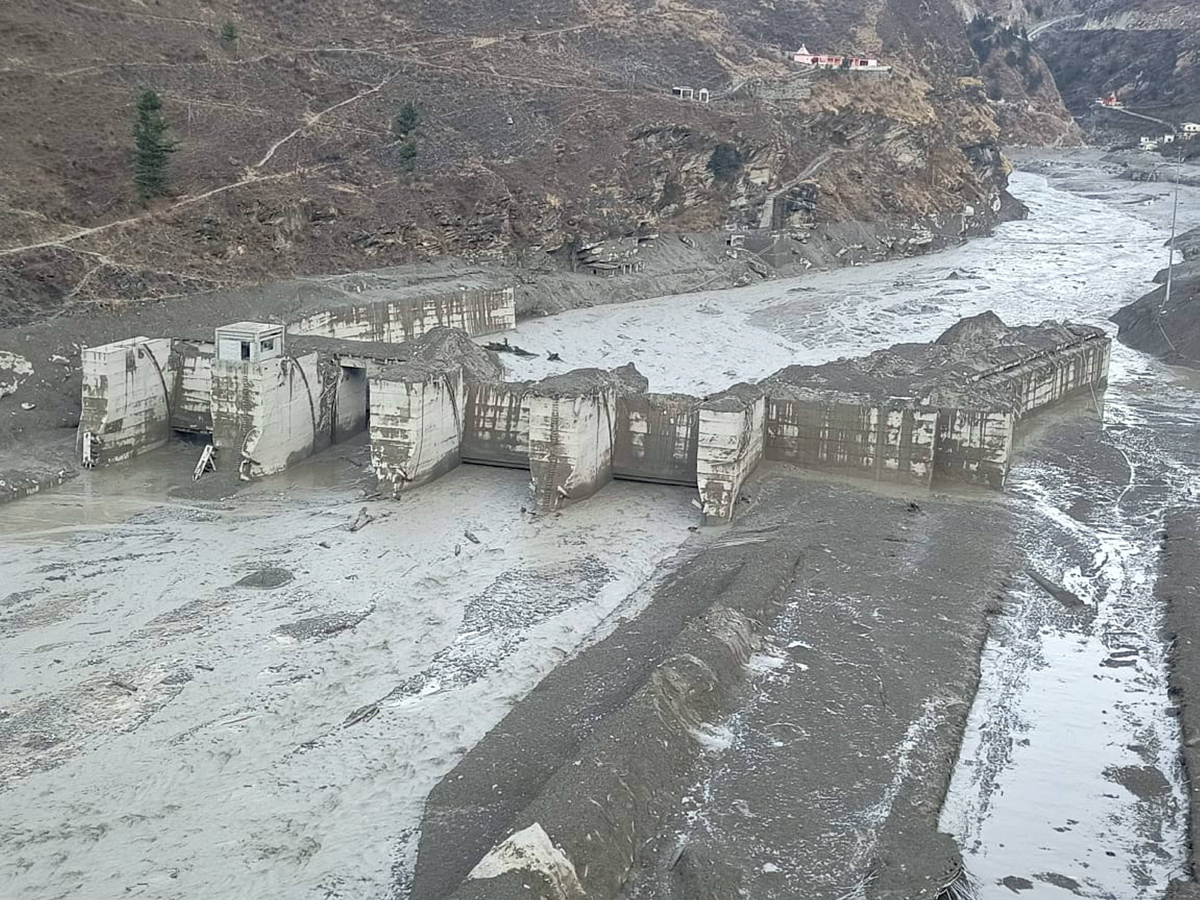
(1046,381)
(570,445)
(863,441)
(477,311)
(126,399)
(191,394)
(655,438)
(266,415)
(416,427)
(351,400)
(729,445)
(496,424)
(974,447)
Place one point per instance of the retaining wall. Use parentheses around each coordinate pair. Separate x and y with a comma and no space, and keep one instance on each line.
(729,445)
(884,443)
(655,438)
(416,428)
(570,445)
(126,399)
(974,446)
(1072,370)
(477,311)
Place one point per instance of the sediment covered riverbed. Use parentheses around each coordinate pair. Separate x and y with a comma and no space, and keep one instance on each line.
(173,729)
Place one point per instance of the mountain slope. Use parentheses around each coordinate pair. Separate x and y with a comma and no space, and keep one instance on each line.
(1147,51)
(543,122)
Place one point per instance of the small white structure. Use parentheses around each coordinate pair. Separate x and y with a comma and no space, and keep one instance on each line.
(1190,130)
(249,341)
(1168,138)
(1148,144)
(687,93)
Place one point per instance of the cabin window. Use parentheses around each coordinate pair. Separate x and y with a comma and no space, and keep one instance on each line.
(268,344)
(245,349)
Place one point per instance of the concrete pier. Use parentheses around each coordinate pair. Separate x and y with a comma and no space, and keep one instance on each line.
(571,426)
(729,446)
(126,407)
(416,424)
(264,414)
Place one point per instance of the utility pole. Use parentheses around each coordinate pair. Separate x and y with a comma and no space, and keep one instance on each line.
(1171,260)
(1174,219)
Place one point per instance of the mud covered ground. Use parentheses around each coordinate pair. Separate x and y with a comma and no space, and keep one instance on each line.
(247,699)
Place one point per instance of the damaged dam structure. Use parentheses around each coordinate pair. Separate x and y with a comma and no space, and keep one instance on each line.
(920,415)
(915,414)
(274,394)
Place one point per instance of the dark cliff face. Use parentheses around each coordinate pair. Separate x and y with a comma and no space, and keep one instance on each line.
(542,121)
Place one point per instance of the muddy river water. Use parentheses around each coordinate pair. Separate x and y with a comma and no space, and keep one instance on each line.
(171,729)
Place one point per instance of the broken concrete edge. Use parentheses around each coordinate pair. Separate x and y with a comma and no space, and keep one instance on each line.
(641,758)
(1178,590)
(17,486)
(585,382)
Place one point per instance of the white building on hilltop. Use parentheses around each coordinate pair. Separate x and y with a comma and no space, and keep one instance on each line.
(837,61)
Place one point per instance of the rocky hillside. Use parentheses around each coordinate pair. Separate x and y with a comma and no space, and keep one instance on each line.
(1029,107)
(542,122)
(1147,51)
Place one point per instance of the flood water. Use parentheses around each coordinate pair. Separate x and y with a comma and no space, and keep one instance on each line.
(231,772)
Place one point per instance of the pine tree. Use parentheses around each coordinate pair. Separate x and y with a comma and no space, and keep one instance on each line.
(152,148)
(407,120)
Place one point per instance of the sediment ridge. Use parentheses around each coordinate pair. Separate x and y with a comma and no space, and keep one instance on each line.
(1179,589)
(599,752)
